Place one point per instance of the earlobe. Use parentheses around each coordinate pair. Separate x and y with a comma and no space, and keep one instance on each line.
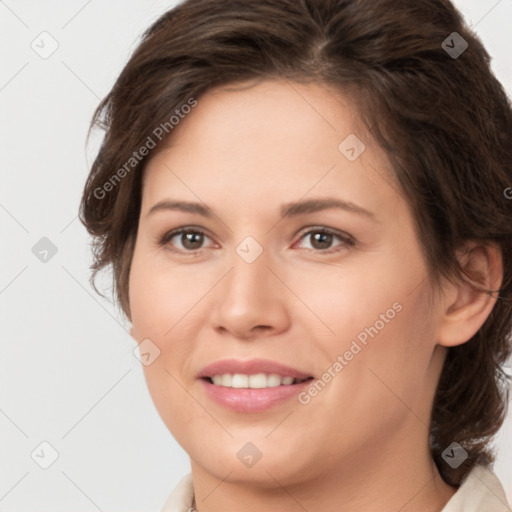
(469,301)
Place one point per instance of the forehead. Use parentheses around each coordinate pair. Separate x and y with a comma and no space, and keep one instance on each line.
(272,139)
(266,115)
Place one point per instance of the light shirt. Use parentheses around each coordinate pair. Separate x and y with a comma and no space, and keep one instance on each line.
(480,491)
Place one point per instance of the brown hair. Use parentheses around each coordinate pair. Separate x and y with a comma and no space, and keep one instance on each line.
(444,120)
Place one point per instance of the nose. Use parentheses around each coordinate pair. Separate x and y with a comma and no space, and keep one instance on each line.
(251,300)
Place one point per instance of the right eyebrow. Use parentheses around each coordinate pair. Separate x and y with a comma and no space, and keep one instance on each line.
(184,206)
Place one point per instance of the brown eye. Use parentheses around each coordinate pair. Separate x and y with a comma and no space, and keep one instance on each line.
(321,240)
(185,240)
(191,240)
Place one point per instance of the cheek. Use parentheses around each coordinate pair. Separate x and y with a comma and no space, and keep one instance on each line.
(377,317)
(386,356)
(163,303)
(160,295)
(363,299)
(159,299)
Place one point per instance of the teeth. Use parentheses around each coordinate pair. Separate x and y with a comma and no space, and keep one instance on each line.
(240,381)
(217,380)
(226,380)
(257,381)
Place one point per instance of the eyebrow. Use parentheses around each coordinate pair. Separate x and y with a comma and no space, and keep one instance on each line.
(288,209)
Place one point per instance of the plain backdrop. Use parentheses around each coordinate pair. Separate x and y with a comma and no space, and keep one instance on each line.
(68,376)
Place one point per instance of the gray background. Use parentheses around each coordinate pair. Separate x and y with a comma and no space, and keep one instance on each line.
(68,375)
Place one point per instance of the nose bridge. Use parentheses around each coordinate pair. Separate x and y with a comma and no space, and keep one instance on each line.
(249,276)
(249,295)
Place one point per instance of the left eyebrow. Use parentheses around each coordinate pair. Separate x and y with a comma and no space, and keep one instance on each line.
(315,205)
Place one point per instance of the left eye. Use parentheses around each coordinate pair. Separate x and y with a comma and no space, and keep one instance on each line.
(321,238)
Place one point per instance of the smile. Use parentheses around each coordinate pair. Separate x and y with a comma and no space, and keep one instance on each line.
(256,381)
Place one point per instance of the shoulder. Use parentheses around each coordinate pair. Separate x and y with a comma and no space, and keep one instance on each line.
(181,498)
(480,490)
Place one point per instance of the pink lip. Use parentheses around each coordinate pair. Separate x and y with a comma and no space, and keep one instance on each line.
(250,367)
(247,399)
(251,400)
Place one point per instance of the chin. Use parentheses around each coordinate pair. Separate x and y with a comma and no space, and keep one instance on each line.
(245,464)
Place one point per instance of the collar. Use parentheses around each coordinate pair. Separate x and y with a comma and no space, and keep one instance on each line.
(480,490)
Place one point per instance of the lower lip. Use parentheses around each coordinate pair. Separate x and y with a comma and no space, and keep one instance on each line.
(252,400)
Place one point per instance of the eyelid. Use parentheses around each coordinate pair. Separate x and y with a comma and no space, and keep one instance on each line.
(347,240)
(336,232)
(164,239)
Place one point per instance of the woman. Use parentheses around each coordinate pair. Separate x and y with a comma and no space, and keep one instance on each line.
(303,206)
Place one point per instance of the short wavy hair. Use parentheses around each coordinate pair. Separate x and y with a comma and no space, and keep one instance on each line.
(432,104)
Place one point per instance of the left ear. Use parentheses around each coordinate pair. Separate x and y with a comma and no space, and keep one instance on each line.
(468,302)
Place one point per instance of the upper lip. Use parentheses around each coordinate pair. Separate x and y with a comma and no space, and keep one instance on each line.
(250,367)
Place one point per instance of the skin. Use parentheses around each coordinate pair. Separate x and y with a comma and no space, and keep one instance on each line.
(362,443)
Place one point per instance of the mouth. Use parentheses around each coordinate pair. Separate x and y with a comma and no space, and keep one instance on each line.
(254,381)
(252,386)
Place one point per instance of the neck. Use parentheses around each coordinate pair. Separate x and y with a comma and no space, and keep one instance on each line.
(402,477)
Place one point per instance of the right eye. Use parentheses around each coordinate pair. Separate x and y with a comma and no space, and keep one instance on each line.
(190,239)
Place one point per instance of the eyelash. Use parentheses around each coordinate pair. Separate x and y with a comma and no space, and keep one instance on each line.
(347,240)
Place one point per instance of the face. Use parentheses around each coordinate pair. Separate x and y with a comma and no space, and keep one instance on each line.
(300,259)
